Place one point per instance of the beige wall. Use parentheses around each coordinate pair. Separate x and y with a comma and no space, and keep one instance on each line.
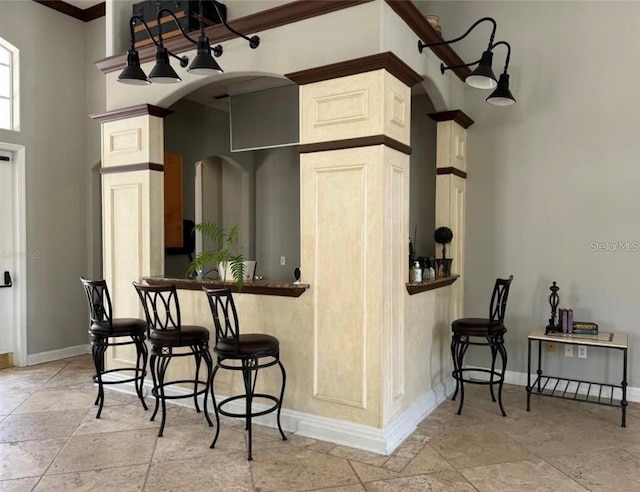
(560,168)
(57,89)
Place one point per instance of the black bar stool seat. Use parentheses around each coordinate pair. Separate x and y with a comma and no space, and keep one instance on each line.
(106,331)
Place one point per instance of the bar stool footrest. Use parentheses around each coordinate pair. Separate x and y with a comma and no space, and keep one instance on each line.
(458,375)
(227,413)
(156,391)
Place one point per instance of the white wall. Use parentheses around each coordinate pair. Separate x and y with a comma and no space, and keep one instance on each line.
(557,171)
(61,145)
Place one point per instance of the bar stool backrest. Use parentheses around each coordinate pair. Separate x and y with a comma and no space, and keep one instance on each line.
(161,307)
(499,302)
(99,301)
(225,316)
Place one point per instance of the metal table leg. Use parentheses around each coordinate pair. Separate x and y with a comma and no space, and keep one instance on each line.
(623,402)
(529,375)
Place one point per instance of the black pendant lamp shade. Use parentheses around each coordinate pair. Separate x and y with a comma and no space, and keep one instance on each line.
(502,95)
(132,73)
(204,63)
(483,77)
(163,73)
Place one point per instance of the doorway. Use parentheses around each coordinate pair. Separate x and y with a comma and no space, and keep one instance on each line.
(13,256)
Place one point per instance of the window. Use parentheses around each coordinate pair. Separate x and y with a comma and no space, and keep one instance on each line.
(8,86)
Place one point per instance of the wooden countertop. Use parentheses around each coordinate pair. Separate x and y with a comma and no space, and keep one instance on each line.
(261,287)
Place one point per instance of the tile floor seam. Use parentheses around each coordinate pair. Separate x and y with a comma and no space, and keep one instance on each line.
(149,464)
(356,474)
(563,473)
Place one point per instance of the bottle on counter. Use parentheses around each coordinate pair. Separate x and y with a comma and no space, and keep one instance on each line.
(417,272)
(431,273)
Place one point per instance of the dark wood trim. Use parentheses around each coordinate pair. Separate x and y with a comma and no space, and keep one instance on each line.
(416,21)
(351,143)
(261,21)
(281,289)
(388,61)
(127,168)
(415,288)
(85,15)
(451,170)
(456,115)
(130,112)
(95,12)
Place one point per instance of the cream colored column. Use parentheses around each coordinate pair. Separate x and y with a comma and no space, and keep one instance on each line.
(451,167)
(132,208)
(354,186)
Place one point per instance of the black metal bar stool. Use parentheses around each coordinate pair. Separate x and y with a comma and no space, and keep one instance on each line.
(470,331)
(250,350)
(166,334)
(105,332)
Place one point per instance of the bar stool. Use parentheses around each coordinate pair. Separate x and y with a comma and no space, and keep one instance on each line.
(250,350)
(470,331)
(105,332)
(166,334)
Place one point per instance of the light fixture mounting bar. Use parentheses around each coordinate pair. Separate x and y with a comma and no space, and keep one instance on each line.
(422,45)
(254,41)
(132,22)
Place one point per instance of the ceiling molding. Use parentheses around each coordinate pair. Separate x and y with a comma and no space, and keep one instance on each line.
(85,15)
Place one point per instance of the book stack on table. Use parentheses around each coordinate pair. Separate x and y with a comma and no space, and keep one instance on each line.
(568,325)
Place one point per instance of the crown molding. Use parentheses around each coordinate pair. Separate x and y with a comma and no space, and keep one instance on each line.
(85,15)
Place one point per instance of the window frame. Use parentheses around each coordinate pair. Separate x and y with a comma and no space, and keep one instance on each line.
(13,85)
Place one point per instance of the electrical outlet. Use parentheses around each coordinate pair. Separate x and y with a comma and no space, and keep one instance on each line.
(582,351)
(550,347)
(568,350)
(283,261)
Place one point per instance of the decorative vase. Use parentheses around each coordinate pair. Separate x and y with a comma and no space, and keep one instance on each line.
(226,275)
(443,267)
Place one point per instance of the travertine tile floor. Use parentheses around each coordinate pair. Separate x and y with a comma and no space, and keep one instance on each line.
(50,440)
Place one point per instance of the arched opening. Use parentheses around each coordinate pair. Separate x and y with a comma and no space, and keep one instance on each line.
(236,140)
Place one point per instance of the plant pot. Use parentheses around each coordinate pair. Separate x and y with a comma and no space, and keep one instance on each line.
(443,267)
(227,276)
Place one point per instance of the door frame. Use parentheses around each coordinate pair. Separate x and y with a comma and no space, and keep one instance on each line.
(18,161)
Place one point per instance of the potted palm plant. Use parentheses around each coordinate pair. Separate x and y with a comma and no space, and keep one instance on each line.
(443,235)
(227,260)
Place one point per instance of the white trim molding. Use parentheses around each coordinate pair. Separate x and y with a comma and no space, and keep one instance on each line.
(381,441)
(19,162)
(42,357)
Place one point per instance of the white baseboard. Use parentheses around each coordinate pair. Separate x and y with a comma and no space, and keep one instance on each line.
(51,355)
(381,441)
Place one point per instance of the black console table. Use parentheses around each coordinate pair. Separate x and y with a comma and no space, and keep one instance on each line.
(584,391)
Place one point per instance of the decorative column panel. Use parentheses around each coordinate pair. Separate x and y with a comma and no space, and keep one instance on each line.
(354,185)
(132,207)
(451,168)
